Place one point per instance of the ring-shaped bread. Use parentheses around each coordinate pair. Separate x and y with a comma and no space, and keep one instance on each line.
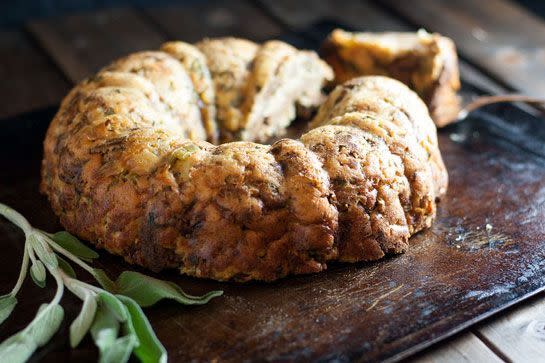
(130,162)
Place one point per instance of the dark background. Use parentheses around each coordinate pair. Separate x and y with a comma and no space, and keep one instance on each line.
(13,13)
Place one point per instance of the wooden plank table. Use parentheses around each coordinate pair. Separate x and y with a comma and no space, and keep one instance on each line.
(40,62)
(29,79)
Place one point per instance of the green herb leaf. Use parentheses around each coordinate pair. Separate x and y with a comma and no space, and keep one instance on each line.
(45,324)
(146,290)
(81,325)
(128,327)
(7,304)
(17,349)
(73,245)
(42,250)
(105,328)
(120,351)
(104,280)
(37,272)
(150,348)
(116,307)
(66,267)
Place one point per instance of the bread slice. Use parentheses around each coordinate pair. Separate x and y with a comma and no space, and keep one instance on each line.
(194,63)
(230,62)
(283,78)
(425,62)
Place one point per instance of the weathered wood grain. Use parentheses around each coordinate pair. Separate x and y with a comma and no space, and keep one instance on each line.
(191,23)
(466,348)
(29,79)
(520,333)
(498,35)
(83,43)
(357,14)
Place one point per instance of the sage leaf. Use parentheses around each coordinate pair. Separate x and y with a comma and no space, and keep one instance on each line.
(20,346)
(128,327)
(43,252)
(73,245)
(7,304)
(17,349)
(146,290)
(118,352)
(104,280)
(66,267)
(45,324)
(150,348)
(105,328)
(37,272)
(81,325)
(116,307)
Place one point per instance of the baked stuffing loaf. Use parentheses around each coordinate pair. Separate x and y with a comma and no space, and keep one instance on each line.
(426,62)
(127,165)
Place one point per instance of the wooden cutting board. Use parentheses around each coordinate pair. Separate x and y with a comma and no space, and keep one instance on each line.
(485,252)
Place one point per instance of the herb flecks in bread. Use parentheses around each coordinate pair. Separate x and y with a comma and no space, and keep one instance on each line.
(128,166)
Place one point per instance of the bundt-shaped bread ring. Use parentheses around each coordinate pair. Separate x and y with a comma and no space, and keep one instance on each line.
(128,167)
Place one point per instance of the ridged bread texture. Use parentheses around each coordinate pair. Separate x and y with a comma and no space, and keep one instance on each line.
(131,162)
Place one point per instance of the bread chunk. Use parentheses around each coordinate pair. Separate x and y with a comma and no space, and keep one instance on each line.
(425,62)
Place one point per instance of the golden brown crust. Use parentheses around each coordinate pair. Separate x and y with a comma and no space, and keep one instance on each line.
(194,63)
(427,63)
(127,168)
(229,61)
(242,225)
(368,183)
(442,98)
(386,103)
(172,85)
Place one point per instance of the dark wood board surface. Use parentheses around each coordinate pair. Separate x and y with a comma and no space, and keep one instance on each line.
(455,274)
(81,44)
(215,18)
(43,85)
(501,37)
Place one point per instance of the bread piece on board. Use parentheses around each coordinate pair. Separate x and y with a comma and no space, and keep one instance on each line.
(425,62)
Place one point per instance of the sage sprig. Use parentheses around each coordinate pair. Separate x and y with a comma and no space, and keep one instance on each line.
(112,313)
